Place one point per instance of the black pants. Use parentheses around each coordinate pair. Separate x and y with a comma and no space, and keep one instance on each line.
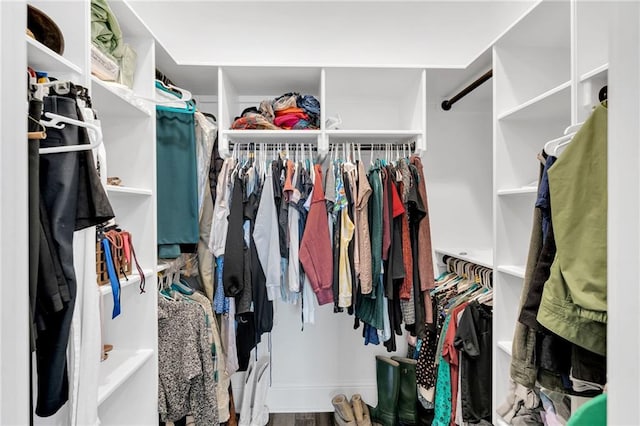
(71,198)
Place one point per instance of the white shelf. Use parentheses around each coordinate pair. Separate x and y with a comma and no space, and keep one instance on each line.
(518,191)
(163,266)
(482,257)
(108,101)
(552,103)
(118,367)
(499,421)
(134,279)
(128,190)
(41,58)
(598,72)
(272,136)
(516,271)
(375,136)
(505,346)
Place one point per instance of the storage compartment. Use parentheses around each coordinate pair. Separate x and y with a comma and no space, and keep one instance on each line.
(517,145)
(514,219)
(376,98)
(592,35)
(243,87)
(534,57)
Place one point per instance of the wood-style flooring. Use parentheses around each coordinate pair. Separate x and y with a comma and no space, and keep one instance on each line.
(301,419)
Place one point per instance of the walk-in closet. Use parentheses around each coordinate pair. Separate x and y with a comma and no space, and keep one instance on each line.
(322,212)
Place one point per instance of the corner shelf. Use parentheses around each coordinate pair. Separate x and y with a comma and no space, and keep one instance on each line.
(505,346)
(548,104)
(41,58)
(514,270)
(113,189)
(518,191)
(595,73)
(134,279)
(119,366)
(110,102)
(482,257)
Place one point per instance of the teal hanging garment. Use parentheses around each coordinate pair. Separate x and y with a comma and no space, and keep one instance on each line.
(177,180)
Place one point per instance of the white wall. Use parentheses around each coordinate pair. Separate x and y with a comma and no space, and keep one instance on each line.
(431,33)
(458,171)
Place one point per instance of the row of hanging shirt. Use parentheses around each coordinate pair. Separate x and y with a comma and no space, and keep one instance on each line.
(453,370)
(344,235)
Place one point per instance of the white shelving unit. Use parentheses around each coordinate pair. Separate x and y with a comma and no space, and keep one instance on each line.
(115,190)
(399,102)
(133,280)
(340,93)
(41,57)
(14,227)
(118,368)
(548,69)
(532,104)
(523,190)
(127,381)
(128,124)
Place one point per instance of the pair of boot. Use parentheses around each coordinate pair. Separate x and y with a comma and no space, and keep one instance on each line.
(397,392)
(254,411)
(354,413)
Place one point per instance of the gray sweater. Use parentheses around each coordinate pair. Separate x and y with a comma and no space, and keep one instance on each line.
(185,367)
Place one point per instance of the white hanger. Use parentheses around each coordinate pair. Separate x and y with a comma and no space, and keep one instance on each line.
(186,95)
(56,122)
(573,128)
(551,146)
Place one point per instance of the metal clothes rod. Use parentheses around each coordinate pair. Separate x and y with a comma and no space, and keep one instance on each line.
(305,146)
(448,103)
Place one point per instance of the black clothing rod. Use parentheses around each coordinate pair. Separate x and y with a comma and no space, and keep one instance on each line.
(447,103)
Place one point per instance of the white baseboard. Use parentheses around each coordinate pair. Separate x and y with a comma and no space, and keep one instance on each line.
(315,399)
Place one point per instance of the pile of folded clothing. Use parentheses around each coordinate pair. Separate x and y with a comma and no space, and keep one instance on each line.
(290,111)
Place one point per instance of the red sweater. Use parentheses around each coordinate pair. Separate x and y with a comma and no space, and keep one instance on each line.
(316,255)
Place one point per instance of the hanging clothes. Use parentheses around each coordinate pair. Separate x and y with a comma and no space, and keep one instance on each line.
(177,182)
(315,248)
(574,300)
(71,198)
(363,263)
(473,340)
(266,236)
(186,373)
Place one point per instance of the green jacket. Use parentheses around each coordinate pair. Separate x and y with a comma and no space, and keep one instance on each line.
(574,300)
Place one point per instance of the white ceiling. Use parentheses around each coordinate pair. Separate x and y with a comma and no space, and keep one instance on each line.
(432,34)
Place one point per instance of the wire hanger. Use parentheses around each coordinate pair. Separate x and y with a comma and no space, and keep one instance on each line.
(58,121)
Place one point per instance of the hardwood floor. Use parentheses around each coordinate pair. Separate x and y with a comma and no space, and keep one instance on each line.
(301,419)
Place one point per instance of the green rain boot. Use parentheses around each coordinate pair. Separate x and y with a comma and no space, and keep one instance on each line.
(388,383)
(408,398)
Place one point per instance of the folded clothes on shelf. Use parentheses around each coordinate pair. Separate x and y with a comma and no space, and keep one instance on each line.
(290,111)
